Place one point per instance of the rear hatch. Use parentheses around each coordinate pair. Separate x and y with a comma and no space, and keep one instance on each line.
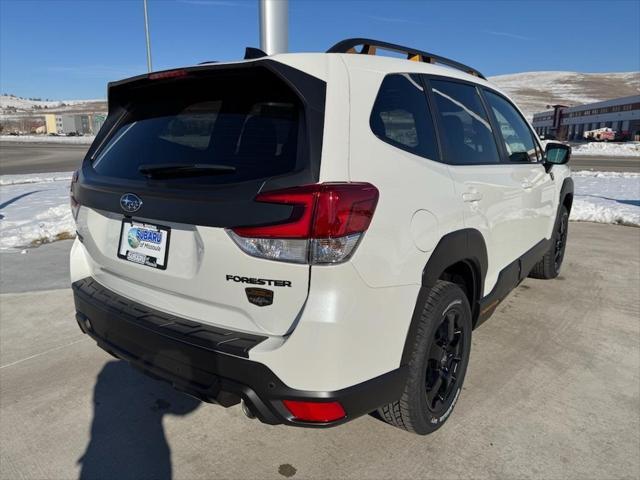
(180,160)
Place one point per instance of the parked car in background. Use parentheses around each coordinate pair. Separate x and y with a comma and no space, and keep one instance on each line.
(605,134)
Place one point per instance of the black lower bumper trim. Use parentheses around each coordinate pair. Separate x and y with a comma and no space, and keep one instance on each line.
(211,370)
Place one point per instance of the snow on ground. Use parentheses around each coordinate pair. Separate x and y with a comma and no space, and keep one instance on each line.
(606,197)
(627,149)
(84,140)
(34,208)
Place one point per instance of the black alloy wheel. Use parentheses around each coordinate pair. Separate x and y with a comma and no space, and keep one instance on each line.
(440,345)
(444,358)
(561,240)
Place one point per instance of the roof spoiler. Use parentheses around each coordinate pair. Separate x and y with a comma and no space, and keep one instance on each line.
(251,53)
(370,46)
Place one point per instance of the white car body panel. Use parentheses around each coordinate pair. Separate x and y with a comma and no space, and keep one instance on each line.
(194,285)
(348,332)
(381,262)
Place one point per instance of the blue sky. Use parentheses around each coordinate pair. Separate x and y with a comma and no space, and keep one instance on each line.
(71,49)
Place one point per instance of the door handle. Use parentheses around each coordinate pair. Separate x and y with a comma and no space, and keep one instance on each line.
(472,196)
(527,185)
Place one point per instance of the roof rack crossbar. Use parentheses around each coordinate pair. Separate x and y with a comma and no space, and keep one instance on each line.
(370,46)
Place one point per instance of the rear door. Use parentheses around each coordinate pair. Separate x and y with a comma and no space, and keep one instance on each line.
(488,192)
(523,153)
(180,161)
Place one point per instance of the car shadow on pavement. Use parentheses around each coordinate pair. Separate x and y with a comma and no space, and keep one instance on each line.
(635,203)
(127,436)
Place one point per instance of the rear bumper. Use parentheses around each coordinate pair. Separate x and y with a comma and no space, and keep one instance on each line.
(211,363)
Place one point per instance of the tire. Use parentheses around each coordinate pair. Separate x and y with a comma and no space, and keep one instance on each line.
(439,359)
(549,266)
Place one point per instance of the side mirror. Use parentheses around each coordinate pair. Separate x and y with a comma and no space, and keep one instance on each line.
(557,153)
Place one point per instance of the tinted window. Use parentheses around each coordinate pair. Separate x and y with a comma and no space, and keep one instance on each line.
(249,122)
(466,128)
(401,116)
(514,131)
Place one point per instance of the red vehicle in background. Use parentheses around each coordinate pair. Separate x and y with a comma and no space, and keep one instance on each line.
(600,135)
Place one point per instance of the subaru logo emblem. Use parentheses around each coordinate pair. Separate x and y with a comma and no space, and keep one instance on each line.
(130,202)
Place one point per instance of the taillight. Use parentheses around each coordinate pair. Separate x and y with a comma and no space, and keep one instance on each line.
(321,412)
(325,226)
(75,206)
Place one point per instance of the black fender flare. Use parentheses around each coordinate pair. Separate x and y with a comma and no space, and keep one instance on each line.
(462,245)
(566,190)
(466,245)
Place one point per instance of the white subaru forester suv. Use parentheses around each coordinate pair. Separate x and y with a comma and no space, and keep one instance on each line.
(314,235)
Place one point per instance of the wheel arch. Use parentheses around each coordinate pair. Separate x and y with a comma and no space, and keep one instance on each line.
(461,254)
(566,194)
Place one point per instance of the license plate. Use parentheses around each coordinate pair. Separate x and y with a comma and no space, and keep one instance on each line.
(144,243)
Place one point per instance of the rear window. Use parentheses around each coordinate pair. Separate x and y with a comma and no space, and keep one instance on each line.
(401,116)
(248,121)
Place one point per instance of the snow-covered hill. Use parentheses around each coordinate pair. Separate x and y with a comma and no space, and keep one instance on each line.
(12,104)
(533,91)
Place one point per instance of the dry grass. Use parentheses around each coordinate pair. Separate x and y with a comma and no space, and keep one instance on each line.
(60,236)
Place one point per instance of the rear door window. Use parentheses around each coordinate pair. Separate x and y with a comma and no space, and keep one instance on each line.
(251,123)
(401,116)
(464,124)
(514,131)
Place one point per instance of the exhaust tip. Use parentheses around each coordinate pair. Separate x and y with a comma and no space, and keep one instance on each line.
(246,410)
(83,322)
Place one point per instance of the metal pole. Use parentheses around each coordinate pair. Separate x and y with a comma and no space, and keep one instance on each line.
(146,31)
(274,26)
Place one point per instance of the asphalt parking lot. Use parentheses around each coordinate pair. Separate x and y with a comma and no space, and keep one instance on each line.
(553,391)
(17,158)
(20,158)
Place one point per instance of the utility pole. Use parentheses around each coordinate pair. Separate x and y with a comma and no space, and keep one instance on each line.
(146,31)
(274,26)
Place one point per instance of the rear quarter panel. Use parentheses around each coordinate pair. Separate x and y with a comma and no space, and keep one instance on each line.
(417,204)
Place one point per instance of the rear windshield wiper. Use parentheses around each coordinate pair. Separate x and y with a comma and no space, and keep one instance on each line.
(163,170)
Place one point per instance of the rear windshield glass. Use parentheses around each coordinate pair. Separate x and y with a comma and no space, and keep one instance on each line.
(183,130)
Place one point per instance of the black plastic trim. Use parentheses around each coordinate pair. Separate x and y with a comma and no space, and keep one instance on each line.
(251,53)
(209,369)
(462,245)
(509,278)
(466,245)
(212,338)
(566,190)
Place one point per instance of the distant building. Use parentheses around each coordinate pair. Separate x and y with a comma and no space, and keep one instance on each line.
(66,124)
(86,124)
(569,123)
(97,120)
(50,123)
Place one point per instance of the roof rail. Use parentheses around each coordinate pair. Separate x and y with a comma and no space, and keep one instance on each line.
(370,46)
